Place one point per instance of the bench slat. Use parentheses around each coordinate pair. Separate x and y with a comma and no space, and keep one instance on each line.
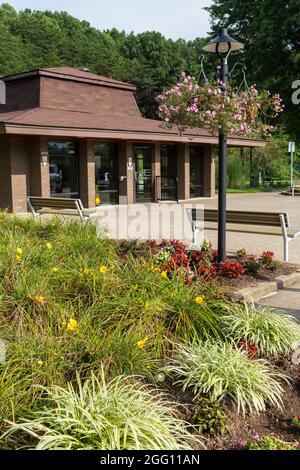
(63,203)
(274,231)
(271,219)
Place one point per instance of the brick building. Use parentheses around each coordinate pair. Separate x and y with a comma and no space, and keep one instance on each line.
(71,133)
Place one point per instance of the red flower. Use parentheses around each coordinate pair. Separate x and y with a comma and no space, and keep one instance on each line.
(250,348)
(231,269)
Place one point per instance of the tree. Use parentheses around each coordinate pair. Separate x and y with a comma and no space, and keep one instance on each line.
(270,30)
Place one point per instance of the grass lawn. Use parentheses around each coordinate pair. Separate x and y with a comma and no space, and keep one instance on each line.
(247,190)
(111,349)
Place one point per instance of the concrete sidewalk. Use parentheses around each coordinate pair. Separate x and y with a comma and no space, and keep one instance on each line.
(287,300)
(256,244)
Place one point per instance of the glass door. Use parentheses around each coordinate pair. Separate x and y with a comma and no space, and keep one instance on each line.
(63,169)
(167,183)
(196,172)
(143,167)
(106,171)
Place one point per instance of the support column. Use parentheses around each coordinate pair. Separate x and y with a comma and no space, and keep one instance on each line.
(126,173)
(156,171)
(209,172)
(19,168)
(87,179)
(5,176)
(39,167)
(183,170)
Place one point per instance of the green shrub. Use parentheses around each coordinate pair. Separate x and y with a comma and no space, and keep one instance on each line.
(271,332)
(209,417)
(100,415)
(219,371)
(268,443)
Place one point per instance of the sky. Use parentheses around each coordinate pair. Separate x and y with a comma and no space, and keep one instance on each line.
(173,18)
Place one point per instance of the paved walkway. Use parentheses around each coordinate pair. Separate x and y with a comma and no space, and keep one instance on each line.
(265,202)
(254,244)
(287,300)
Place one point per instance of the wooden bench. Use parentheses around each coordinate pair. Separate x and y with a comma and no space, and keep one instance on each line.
(40,205)
(260,223)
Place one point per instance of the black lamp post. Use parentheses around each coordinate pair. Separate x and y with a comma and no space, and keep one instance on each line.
(223,45)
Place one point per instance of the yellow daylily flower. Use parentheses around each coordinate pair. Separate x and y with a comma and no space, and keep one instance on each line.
(103,269)
(40,299)
(142,343)
(72,325)
(87,272)
(199,300)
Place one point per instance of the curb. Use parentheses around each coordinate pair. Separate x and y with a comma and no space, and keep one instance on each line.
(263,289)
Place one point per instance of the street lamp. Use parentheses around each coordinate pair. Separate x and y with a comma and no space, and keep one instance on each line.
(223,45)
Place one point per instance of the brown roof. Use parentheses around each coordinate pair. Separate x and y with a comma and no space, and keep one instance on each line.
(68,73)
(44,121)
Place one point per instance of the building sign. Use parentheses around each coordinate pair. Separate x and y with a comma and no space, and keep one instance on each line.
(130,164)
(292,147)
(44,158)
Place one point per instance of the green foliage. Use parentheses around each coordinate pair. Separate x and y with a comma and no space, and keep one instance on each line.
(268,443)
(271,332)
(124,316)
(296,423)
(210,417)
(221,371)
(101,415)
(32,39)
(269,30)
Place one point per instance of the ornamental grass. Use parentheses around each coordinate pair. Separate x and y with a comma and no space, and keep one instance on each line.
(272,333)
(99,415)
(219,371)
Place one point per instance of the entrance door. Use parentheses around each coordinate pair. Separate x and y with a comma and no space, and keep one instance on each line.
(143,167)
(168,187)
(196,172)
(106,172)
(63,169)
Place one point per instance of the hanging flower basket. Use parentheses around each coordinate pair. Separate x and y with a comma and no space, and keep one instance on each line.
(248,113)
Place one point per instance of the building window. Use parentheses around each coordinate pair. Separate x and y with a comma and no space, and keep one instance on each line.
(167,182)
(196,171)
(143,156)
(168,155)
(106,171)
(63,169)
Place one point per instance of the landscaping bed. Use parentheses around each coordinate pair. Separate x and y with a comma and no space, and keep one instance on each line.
(238,271)
(118,346)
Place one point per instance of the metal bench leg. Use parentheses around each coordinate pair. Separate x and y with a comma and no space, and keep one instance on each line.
(286,238)
(286,249)
(195,233)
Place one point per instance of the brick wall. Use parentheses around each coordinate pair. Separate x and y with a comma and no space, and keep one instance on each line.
(5,180)
(39,174)
(19,165)
(127,187)
(183,170)
(68,95)
(22,94)
(87,173)
(156,170)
